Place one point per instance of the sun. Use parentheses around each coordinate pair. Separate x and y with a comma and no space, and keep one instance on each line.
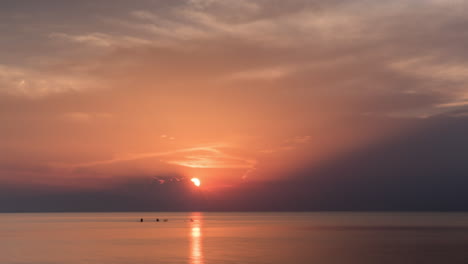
(196,181)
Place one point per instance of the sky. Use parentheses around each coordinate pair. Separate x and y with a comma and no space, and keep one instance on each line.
(273,105)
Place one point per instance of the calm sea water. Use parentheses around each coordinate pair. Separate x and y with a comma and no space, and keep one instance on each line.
(113,238)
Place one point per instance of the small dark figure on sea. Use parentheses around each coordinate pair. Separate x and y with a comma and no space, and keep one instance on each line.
(157,219)
(141,220)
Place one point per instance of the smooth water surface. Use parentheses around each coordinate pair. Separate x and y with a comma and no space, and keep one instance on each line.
(113,238)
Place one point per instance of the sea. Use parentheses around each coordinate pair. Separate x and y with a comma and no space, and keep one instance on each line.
(235,237)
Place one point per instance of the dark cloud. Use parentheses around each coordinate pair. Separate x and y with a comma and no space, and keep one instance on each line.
(423,170)
(121,194)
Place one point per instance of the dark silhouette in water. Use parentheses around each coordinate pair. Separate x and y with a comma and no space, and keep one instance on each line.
(157,219)
(141,220)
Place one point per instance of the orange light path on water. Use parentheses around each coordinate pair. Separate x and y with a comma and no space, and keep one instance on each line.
(196,249)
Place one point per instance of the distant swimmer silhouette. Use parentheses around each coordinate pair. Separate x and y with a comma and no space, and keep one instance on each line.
(141,220)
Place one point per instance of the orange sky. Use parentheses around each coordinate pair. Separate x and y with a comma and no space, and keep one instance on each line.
(226,91)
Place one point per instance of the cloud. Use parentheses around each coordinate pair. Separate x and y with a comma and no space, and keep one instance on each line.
(102,40)
(453,104)
(208,157)
(300,139)
(288,145)
(36,83)
(83,117)
(327,35)
(212,159)
(269,74)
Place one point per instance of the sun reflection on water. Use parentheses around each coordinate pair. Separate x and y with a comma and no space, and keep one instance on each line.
(196,249)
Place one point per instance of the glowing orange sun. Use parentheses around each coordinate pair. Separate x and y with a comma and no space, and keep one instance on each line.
(196,181)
